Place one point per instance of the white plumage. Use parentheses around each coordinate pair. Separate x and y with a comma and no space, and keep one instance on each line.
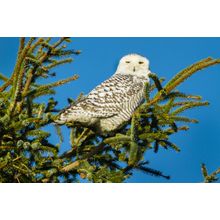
(111,104)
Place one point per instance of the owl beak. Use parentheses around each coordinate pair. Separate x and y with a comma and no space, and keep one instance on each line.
(134,69)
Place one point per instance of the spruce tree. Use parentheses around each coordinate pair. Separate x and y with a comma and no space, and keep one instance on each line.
(26,154)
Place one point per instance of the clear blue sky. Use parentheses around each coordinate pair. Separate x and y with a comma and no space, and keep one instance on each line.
(167,56)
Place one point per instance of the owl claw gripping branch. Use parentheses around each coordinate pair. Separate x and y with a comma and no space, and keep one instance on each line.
(111,104)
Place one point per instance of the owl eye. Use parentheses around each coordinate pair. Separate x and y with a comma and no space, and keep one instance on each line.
(140,62)
(127,61)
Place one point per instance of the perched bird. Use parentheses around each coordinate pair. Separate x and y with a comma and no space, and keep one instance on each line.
(111,104)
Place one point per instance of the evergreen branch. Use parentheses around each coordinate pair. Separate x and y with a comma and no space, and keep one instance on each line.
(71,166)
(40,51)
(35,45)
(45,88)
(7,83)
(59,133)
(186,70)
(204,170)
(169,144)
(153,86)
(156,81)
(56,63)
(184,119)
(190,71)
(21,57)
(43,57)
(216,172)
(40,92)
(59,83)
(133,144)
(62,53)
(169,105)
(3,78)
(28,82)
(118,139)
(39,133)
(83,136)
(22,44)
(177,94)
(182,76)
(60,41)
(153,135)
(21,54)
(189,106)
(151,171)
(209,178)
(19,72)
(183,103)
(7,147)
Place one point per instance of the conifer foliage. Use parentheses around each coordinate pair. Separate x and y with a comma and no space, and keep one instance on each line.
(26,154)
(210,178)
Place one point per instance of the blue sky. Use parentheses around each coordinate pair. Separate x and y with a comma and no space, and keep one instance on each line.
(167,56)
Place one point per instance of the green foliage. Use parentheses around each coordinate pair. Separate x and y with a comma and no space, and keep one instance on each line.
(25,152)
(26,155)
(210,178)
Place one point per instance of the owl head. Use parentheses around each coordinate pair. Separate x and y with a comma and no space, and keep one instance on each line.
(134,64)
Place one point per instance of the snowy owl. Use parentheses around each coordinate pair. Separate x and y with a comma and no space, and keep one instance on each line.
(111,104)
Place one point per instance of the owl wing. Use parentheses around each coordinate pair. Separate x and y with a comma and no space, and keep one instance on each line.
(109,98)
(118,94)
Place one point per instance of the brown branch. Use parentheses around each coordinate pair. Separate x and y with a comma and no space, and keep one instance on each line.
(87,156)
(61,82)
(60,41)
(71,166)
